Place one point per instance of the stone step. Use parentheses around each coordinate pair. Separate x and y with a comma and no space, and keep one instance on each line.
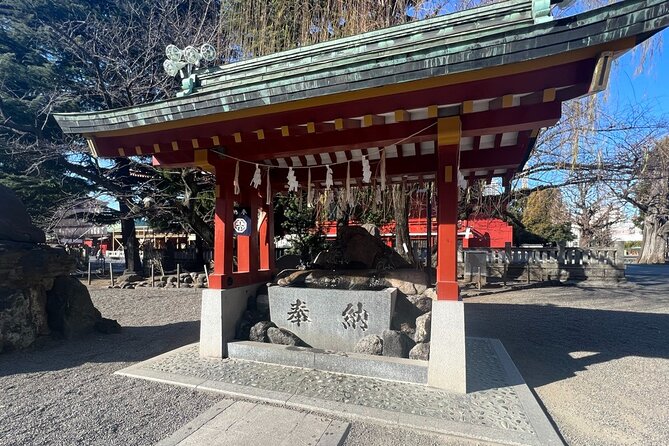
(383,367)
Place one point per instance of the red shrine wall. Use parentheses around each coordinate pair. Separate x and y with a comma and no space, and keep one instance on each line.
(485,233)
(474,233)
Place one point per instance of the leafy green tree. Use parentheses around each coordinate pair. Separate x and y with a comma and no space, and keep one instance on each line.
(299,221)
(545,215)
(78,55)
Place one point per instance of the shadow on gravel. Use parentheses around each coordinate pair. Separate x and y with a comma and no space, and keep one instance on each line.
(550,343)
(133,344)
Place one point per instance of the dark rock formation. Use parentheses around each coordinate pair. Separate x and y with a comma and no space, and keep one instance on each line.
(284,337)
(27,272)
(15,223)
(356,248)
(422,303)
(407,281)
(259,331)
(397,344)
(69,308)
(369,345)
(289,261)
(34,276)
(423,328)
(420,351)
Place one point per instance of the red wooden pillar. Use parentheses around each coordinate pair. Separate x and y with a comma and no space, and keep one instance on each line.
(223,231)
(448,145)
(244,241)
(248,250)
(254,242)
(267,255)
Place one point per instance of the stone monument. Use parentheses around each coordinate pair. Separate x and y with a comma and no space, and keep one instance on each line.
(37,294)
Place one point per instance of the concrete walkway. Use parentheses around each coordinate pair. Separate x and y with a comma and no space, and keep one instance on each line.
(241,423)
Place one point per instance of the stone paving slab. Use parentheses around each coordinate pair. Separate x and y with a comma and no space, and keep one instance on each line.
(498,408)
(243,423)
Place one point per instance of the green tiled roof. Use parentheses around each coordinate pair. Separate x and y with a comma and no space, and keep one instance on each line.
(493,35)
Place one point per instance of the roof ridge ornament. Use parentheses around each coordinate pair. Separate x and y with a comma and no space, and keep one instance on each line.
(541,10)
(189,59)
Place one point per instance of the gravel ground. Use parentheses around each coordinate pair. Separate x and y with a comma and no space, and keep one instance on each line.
(65,393)
(596,357)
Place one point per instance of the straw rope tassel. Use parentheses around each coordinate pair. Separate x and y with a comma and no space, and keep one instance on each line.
(310,196)
(235,182)
(348,182)
(328,178)
(382,172)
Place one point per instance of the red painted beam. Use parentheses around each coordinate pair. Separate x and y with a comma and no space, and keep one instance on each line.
(484,159)
(514,119)
(575,73)
(357,138)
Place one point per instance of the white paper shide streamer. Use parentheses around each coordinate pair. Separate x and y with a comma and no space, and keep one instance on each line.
(328,178)
(257,177)
(235,182)
(293,184)
(366,170)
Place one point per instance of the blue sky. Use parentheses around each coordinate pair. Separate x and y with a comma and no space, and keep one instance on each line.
(651,85)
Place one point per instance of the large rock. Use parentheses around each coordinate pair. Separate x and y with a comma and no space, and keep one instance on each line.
(262,303)
(259,331)
(27,272)
(369,345)
(33,277)
(288,261)
(404,317)
(397,344)
(423,328)
(129,277)
(422,303)
(250,318)
(70,309)
(356,248)
(408,281)
(372,229)
(431,293)
(283,337)
(293,278)
(15,223)
(420,351)
(17,327)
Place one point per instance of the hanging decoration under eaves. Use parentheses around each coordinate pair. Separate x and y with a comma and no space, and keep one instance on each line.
(293,184)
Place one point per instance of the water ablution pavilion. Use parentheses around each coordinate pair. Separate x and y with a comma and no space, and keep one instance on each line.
(448,100)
